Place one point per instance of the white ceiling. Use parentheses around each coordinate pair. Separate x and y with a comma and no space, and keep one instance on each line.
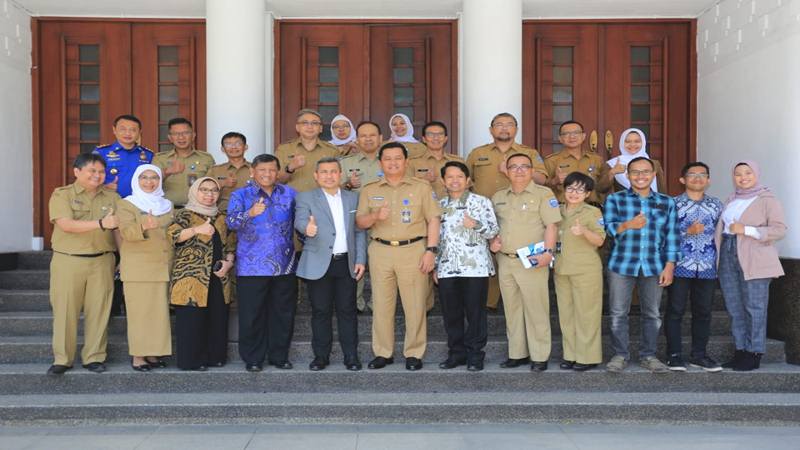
(369,8)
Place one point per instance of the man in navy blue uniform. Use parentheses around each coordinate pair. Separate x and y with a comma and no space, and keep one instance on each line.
(124,155)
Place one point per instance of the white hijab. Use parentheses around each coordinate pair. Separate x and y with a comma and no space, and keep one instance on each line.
(335,140)
(409,136)
(153,202)
(625,158)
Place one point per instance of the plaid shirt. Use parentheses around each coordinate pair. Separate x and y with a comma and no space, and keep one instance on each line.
(646,250)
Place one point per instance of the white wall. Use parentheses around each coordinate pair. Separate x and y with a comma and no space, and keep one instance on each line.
(16,129)
(749,98)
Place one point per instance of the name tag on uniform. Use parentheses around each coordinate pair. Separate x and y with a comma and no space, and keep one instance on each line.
(422,170)
(483,159)
(377,198)
(564,166)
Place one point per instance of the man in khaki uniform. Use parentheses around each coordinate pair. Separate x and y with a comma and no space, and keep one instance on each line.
(572,158)
(487,164)
(403,219)
(182,165)
(233,174)
(82,268)
(527,214)
(299,156)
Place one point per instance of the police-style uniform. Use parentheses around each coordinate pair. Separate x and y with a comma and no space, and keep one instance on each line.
(579,285)
(81,274)
(589,163)
(396,247)
(221,172)
(121,163)
(421,166)
(197,164)
(523,218)
(302,179)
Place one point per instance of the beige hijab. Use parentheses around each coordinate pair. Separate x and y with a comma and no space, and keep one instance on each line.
(194,205)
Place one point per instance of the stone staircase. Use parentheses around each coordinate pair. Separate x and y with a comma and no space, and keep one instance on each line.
(229,394)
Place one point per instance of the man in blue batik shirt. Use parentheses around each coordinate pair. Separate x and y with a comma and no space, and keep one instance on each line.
(696,272)
(124,155)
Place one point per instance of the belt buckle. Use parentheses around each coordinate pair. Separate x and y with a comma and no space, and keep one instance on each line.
(394,243)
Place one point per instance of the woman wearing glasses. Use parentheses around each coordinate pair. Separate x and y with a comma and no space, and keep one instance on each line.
(633,144)
(343,135)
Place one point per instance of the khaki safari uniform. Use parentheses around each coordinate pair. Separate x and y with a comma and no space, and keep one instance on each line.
(522,218)
(589,163)
(483,163)
(176,186)
(579,286)
(221,172)
(145,265)
(302,179)
(81,274)
(422,165)
(396,264)
(415,149)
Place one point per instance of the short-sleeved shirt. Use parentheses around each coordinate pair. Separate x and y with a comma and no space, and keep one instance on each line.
(411,203)
(589,163)
(523,217)
(576,254)
(484,162)
(415,149)
(221,172)
(176,186)
(121,163)
(73,202)
(368,170)
(421,166)
(303,177)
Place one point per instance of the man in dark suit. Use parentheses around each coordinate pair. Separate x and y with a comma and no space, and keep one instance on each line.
(333,259)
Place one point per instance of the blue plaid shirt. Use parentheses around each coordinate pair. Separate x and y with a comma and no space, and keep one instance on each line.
(647,250)
(698,252)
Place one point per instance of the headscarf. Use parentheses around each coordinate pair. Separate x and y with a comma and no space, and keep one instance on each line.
(335,140)
(409,137)
(742,194)
(194,205)
(149,202)
(625,158)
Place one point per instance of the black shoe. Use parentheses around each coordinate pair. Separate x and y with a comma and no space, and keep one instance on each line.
(675,363)
(538,366)
(254,368)
(319,363)
(202,368)
(746,363)
(510,363)
(216,364)
(757,357)
(735,360)
(566,365)
(142,367)
(285,365)
(380,362)
(578,367)
(157,364)
(413,363)
(475,366)
(58,369)
(96,367)
(353,365)
(452,362)
(705,363)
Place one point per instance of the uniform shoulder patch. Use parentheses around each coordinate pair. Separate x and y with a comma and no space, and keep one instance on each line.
(553,202)
(601,222)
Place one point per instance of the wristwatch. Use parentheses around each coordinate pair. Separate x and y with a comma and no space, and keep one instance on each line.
(548,250)
(433,250)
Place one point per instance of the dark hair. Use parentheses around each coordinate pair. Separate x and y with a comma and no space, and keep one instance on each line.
(434,123)
(515,155)
(233,134)
(456,164)
(328,160)
(179,121)
(367,122)
(581,179)
(392,145)
(504,114)
(130,117)
(84,159)
(265,158)
(686,168)
(305,111)
(570,122)
(642,158)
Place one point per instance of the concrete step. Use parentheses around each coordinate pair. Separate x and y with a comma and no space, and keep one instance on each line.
(34,260)
(25,279)
(408,408)
(37,349)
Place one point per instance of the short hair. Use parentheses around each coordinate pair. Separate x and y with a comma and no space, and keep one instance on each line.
(581,179)
(232,135)
(328,160)
(686,168)
(642,158)
(523,155)
(130,117)
(570,122)
(367,122)
(84,159)
(179,121)
(308,111)
(457,164)
(504,114)
(265,158)
(389,145)
(434,123)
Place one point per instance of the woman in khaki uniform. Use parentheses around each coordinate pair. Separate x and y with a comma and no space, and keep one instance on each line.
(146,257)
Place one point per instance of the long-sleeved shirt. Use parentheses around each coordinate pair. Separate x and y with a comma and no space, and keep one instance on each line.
(698,252)
(464,252)
(265,246)
(644,251)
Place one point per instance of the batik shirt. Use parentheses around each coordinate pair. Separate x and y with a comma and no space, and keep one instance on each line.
(698,252)
(464,252)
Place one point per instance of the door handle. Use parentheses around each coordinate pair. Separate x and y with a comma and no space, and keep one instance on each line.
(609,142)
(593,141)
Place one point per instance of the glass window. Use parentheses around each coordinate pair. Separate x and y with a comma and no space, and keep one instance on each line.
(90,132)
(640,94)
(640,74)
(90,93)
(168,54)
(640,113)
(403,56)
(329,55)
(562,75)
(329,74)
(403,96)
(403,75)
(168,94)
(562,94)
(90,112)
(168,74)
(167,112)
(89,73)
(562,113)
(329,95)
(89,53)
(640,55)
(562,56)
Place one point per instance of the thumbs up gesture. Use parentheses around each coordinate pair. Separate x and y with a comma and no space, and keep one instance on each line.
(175,166)
(384,212)
(469,222)
(206,228)
(311,228)
(355,180)
(257,208)
(113,184)
(149,222)
(110,221)
(297,162)
(618,168)
(577,229)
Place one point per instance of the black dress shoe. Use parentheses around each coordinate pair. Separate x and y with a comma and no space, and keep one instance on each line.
(538,366)
(254,368)
(318,363)
(475,366)
(157,364)
(285,365)
(578,367)
(58,369)
(141,368)
(566,365)
(413,363)
(96,367)
(216,364)
(202,368)
(510,363)
(452,363)
(380,362)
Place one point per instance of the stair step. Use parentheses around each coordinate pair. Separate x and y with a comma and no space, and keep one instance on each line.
(34,260)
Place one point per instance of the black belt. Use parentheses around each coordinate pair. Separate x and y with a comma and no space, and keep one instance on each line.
(399,243)
(338,256)
(92,255)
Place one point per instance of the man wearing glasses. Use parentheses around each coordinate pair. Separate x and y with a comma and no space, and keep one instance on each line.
(235,173)
(183,164)
(299,156)
(573,158)
(428,166)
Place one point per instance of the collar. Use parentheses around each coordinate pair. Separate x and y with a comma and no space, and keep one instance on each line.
(382,181)
(255,189)
(460,200)
(231,166)
(584,154)
(298,143)
(362,156)
(529,188)
(338,193)
(118,146)
(514,146)
(632,193)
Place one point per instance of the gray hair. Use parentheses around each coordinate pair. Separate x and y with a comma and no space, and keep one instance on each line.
(308,111)
(326,160)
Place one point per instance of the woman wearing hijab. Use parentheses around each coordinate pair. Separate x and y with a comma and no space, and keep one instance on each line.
(633,144)
(146,256)
(200,289)
(403,131)
(751,222)
(343,135)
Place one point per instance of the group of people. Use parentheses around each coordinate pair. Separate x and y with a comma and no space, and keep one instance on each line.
(197,236)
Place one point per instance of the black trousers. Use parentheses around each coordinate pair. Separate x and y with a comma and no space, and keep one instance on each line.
(465,297)
(267,306)
(336,288)
(202,333)
(701,293)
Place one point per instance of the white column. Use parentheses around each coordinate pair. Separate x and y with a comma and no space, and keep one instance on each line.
(491,69)
(235,67)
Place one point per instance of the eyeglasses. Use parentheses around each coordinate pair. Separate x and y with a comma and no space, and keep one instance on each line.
(575,190)
(233,144)
(697,175)
(570,133)
(637,173)
(310,123)
(181,133)
(146,178)
(209,191)
(338,127)
(519,167)
(504,125)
